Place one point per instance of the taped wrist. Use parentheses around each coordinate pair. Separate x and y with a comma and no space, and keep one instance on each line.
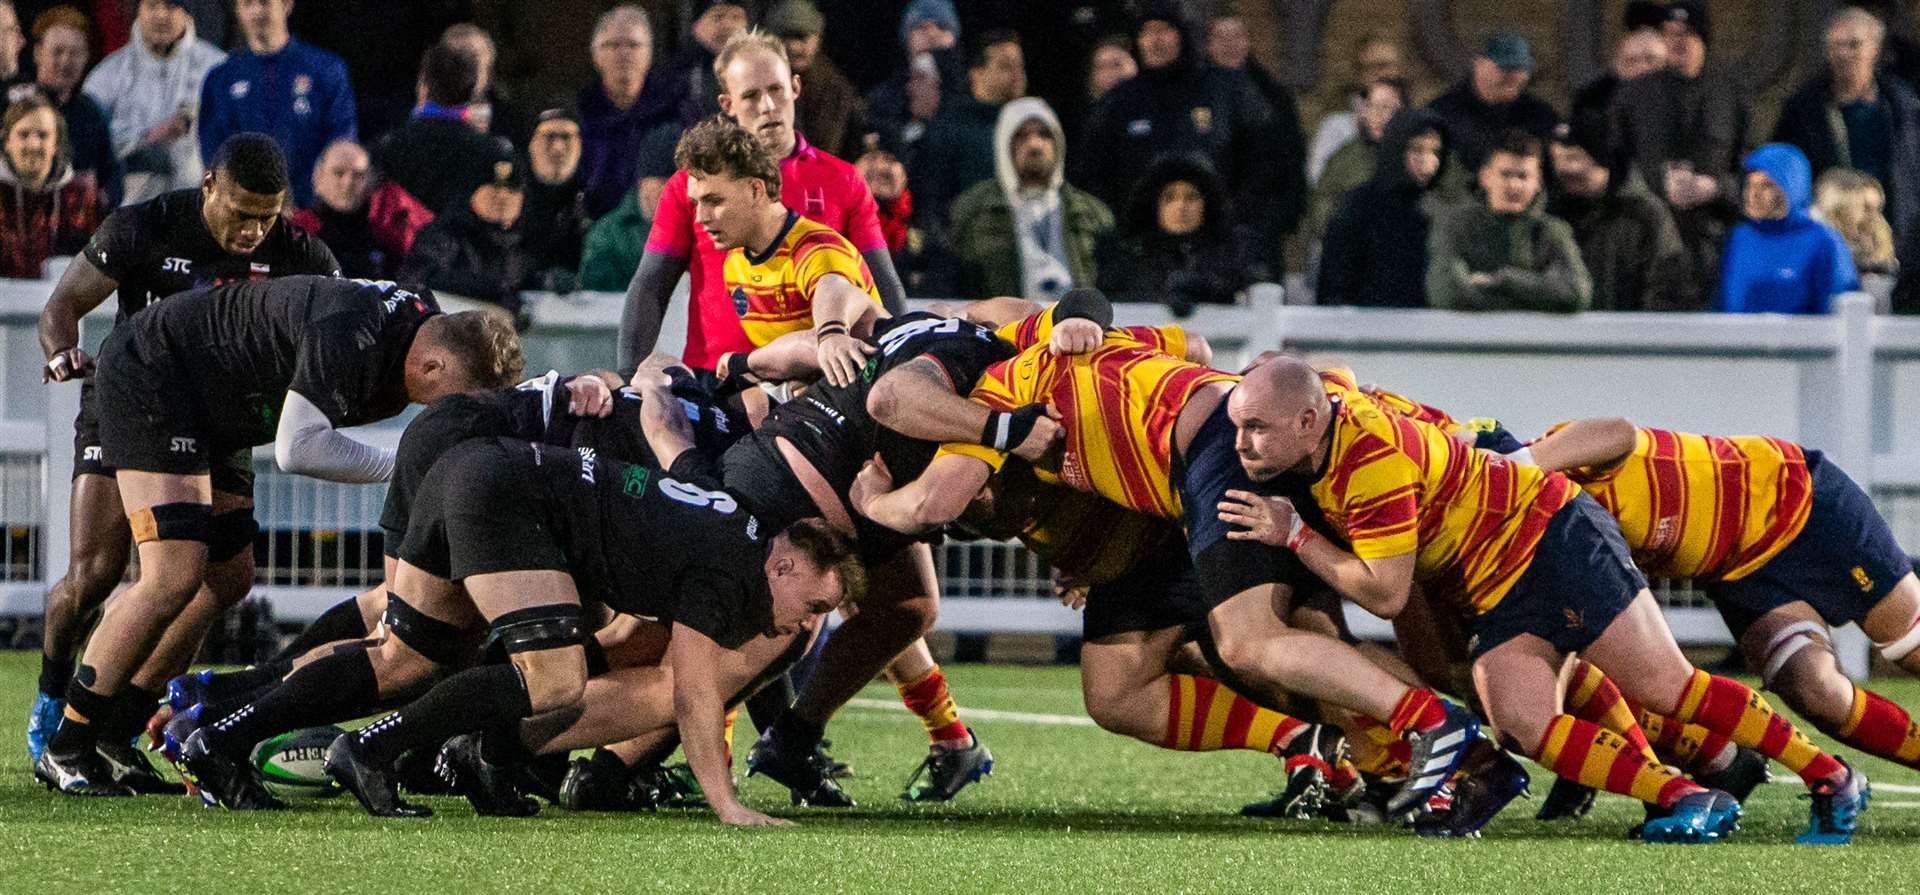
(1005,429)
(171,522)
(1297,532)
(537,628)
(1086,304)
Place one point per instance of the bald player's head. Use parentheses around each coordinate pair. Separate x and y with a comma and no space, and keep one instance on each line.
(1281,411)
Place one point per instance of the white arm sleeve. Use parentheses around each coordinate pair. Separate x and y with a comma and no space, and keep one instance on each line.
(307,444)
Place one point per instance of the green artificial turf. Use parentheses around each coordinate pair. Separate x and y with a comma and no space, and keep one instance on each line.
(1069,808)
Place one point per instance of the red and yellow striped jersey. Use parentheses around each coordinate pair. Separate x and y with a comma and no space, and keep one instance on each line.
(1088,538)
(773,293)
(1395,484)
(1706,507)
(1118,405)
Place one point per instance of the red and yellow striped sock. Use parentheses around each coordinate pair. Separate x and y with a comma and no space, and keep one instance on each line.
(1418,709)
(1879,726)
(726,733)
(1584,752)
(1690,747)
(1204,715)
(1592,696)
(1375,749)
(928,698)
(1729,707)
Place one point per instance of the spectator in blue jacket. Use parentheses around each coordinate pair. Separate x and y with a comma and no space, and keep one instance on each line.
(1780,260)
(276,85)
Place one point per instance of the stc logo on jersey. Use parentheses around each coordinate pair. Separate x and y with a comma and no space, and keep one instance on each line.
(173,265)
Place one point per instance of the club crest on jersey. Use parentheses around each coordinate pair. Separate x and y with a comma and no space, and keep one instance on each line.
(739,301)
(633,482)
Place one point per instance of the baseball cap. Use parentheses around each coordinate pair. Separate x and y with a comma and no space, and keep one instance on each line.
(1692,14)
(795,18)
(1509,50)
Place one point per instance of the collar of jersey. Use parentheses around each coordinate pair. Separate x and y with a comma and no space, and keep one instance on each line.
(774,246)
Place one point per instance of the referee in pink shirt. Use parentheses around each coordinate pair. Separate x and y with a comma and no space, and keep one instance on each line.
(758,90)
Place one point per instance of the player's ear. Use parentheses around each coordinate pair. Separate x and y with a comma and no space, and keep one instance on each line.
(794,87)
(783,566)
(726,104)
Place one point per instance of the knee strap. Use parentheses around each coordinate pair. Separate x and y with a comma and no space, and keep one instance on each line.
(1785,643)
(185,521)
(1899,649)
(229,533)
(537,628)
(442,643)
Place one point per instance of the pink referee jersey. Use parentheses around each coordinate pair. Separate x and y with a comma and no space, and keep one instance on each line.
(816,184)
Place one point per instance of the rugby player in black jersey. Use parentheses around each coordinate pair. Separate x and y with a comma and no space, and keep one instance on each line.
(228,230)
(216,372)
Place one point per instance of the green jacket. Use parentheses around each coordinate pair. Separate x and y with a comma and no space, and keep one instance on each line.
(1350,166)
(1532,258)
(1632,249)
(989,252)
(614,246)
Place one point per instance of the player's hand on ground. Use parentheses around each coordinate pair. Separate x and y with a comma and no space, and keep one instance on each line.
(1047,435)
(874,480)
(738,816)
(1269,520)
(1075,335)
(589,396)
(841,356)
(72,363)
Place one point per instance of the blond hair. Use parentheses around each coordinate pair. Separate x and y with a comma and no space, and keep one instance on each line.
(1853,203)
(746,42)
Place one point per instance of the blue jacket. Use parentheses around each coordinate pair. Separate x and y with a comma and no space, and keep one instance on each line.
(1794,265)
(300,96)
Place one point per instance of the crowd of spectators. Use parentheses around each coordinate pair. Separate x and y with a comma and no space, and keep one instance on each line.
(1166,164)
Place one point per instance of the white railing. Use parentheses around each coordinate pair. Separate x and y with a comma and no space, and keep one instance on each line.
(1838,383)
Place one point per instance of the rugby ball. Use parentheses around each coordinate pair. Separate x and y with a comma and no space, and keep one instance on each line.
(291,763)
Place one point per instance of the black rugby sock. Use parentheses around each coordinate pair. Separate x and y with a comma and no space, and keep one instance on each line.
(773,700)
(475,699)
(131,708)
(338,688)
(341,621)
(56,673)
(252,681)
(85,709)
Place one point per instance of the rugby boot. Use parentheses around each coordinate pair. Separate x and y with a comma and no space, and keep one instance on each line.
(835,768)
(1836,809)
(1740,777)
(1706,816)
(1566,800)
(674,785)
(603,783)
(1490,780)
(373,785)
(85,774)
(221,779)
(798,768)
(1436,754)
(132,769)
(487,786)
(1307,763)
(944,772)
(42,722)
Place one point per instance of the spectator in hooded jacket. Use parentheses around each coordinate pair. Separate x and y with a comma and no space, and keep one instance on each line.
(1175,245)
(1027,232)
(1180,104)
(296,93)
(1856,116)
(149,91)
(1627,238)
(1375,250)
(1353,164)
(479,251)
(556,205)
(44,210)
(1501,251)
(1780,260)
